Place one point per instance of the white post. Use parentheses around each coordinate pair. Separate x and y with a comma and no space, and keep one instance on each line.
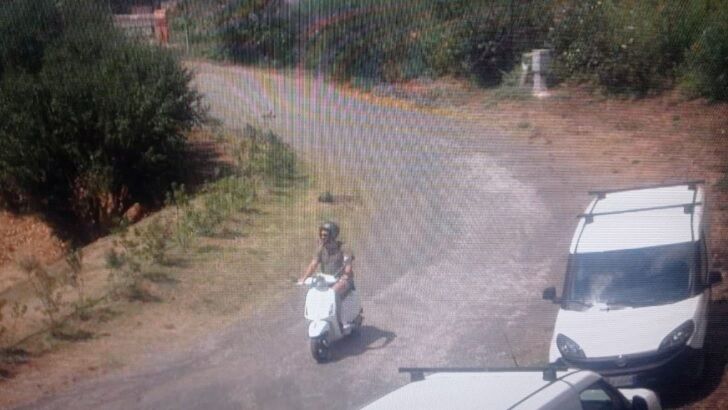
(525,67)
(540,62)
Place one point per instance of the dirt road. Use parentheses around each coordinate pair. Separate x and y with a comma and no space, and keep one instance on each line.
(469,227)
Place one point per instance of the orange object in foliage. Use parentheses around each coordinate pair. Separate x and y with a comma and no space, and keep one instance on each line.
(161,29)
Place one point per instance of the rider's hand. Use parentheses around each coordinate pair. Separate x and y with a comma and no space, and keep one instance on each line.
(300,282)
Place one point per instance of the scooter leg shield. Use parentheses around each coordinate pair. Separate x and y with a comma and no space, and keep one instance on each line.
(318,328)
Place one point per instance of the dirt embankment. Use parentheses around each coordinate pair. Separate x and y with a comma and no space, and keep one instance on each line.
(27,234)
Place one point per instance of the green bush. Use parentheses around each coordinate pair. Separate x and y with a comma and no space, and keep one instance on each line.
(276,161)
(370,39)
(256,31)
(46,287)
(639,46)
(707,59)
(24,41)
(98,125)
(617,44)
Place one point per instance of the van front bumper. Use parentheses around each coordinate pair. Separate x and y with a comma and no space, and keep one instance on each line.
(644,369)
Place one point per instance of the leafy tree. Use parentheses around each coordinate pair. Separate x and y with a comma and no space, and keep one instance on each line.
(707,58)
(97,123)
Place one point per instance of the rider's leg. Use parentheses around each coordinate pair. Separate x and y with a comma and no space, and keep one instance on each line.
(340,289)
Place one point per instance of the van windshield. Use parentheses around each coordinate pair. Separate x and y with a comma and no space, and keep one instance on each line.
(633,277)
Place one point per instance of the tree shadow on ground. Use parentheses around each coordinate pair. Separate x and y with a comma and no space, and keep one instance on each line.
(368,338)
(716,358)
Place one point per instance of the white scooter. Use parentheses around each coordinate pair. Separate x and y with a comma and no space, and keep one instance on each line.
(320,309)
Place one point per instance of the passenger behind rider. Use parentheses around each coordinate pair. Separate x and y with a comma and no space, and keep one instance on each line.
(332,260)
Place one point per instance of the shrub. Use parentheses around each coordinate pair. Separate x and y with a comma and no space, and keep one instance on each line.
(707,59)
(24,42)
(276,161)
(118,277)
(153,240)
(634,46)
(183,232)
(615,44)
(98,126)
(74,260)
(47,289)
(7,332)
(256,31)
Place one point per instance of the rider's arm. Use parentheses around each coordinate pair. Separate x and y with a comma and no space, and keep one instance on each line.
(309,271)
(348,269)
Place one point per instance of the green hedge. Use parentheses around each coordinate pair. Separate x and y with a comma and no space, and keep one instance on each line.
(626,46)
(640,46)
(375,39)
(92,122)
(706,71)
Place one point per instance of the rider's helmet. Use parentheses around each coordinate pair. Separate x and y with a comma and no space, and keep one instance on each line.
(331,228)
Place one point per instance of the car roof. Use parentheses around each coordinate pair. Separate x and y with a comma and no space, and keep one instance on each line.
(480,390)
(640,218)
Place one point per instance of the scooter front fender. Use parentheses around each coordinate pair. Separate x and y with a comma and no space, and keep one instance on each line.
(318,328)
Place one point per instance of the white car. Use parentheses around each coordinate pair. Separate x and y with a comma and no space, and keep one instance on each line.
(563,389)
(638,286)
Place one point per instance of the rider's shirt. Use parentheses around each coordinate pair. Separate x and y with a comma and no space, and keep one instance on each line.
(331,259)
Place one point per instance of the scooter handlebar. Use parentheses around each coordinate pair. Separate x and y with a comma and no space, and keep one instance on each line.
(312,280)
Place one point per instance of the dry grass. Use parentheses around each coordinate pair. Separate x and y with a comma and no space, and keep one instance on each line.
(250,262)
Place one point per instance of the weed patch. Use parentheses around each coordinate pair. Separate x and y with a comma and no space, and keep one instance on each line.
(47,289)
(326,197)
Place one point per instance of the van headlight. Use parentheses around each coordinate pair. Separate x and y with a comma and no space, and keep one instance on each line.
(568,348)
(678,337)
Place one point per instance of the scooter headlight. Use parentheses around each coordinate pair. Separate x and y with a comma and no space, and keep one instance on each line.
(568,348)
(678,337)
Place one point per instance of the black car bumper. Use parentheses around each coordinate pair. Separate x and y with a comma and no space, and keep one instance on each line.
(644,369)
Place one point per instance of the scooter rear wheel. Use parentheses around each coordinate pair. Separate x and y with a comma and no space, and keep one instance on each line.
(320,350)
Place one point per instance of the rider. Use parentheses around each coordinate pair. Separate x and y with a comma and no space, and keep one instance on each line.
(333,261)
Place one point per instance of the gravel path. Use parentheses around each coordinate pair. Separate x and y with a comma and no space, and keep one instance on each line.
(469,227)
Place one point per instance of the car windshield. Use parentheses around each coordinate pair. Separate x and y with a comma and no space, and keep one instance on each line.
(629,278)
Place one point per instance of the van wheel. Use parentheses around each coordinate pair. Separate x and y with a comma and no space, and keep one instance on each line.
(320,349)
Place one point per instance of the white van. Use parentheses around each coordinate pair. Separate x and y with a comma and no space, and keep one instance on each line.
(637,290)
(515,388)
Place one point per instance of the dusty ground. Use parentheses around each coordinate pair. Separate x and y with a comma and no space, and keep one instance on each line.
(614,141)
(218,281)
(652,140)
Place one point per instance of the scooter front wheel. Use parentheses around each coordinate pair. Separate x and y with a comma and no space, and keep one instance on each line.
(320,349)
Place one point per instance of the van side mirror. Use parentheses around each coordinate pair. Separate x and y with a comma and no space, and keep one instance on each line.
(550,294)
(714,277)
(639,403)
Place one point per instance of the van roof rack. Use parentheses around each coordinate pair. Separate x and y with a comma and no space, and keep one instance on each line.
(689,208)
(601,193)
(418,373)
